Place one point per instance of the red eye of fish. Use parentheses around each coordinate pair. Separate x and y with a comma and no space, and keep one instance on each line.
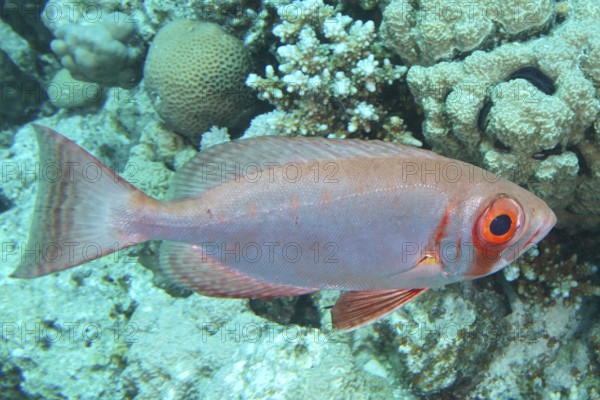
(500,221)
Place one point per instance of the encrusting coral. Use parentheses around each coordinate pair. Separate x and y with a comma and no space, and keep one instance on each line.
(426,31)
(524,110)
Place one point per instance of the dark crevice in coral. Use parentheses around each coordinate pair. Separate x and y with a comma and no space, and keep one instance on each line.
(536,77)
(584,245)
(11,378)
(306,313)
(544,154)
(5,203)
(126,312)
(130,389)
(22,95)
(354,9)
(482,117)
(149,259)
(23,16)
(498,145)
(298,310)
(413,116)
(588,315)
(583,167)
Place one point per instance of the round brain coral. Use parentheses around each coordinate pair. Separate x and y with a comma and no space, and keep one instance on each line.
(195,75)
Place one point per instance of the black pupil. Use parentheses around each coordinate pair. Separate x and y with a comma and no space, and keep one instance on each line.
(500,225)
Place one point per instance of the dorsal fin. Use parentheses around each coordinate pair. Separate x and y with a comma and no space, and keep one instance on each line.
(219,163)
(355,309)
(187,265)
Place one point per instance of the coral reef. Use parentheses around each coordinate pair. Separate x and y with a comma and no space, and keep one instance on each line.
(205,335)
(62,325)
(153,159)
(330,86)
(553,363)
(194,74)
(449,333)
(213,137)
(561,273)
(527,110)
(523,110)
(427,31)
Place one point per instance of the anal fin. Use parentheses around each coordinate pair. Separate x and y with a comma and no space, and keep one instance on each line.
(188,266)
(355,309)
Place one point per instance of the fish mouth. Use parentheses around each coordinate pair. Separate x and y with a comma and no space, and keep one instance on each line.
(548,220)
(545,221)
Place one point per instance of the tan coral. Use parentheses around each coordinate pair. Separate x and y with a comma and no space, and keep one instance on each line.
(426,31)
(523,110)
(195,74)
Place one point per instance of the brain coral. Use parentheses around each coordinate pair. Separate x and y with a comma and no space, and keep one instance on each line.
(195,74)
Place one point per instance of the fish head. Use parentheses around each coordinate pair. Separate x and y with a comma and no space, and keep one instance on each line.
(501,225)
(487,226)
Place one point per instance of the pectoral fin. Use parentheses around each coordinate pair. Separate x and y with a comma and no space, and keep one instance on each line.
(355,309)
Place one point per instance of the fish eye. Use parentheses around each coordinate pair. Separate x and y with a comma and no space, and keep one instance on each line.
(500,225)
(500,221)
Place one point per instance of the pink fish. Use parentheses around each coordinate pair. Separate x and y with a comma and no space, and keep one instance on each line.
(275,216)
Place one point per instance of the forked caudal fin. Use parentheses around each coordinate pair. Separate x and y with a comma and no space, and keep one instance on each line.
(78,209)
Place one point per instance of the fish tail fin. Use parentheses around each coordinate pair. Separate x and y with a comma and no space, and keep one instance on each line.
(81,211)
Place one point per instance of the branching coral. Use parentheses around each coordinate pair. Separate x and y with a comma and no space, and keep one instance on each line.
(330,79)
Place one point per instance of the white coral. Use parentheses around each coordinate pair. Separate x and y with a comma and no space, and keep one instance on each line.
(327,86)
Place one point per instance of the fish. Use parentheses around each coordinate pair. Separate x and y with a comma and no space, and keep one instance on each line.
(279,216)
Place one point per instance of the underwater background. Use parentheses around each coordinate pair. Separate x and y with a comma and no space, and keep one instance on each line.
(511,86)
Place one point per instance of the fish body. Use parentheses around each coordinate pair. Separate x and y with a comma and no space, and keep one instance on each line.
(276,216)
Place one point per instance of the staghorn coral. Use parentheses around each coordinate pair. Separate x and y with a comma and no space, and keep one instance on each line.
(523,110)
(329,80)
